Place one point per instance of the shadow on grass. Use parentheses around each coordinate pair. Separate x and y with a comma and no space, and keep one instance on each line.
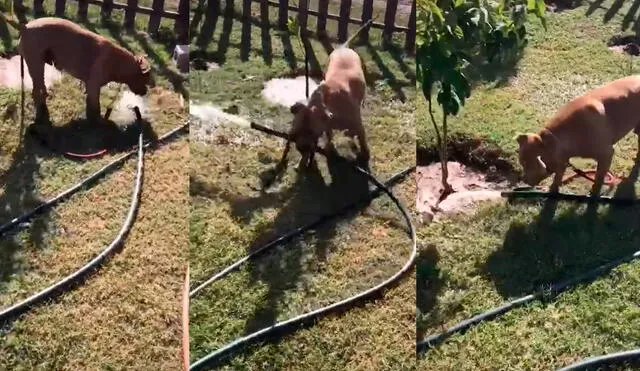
(19,181)
(429,284)
(551,250)
(20,196)
(302,202)
(80,136)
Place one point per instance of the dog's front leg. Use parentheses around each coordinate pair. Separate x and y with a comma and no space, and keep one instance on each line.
(558,176)
(93,100)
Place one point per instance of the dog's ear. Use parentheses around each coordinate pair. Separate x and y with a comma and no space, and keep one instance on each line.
(522,139)
(143,63)
(297,107)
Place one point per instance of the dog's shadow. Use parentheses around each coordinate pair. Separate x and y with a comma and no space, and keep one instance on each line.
(314,197)
(553,248)
(80,136)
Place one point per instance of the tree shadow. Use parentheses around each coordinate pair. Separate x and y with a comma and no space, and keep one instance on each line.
(429,284)
(552,249)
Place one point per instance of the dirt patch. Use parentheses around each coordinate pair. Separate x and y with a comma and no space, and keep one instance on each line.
(557,6)
(10,74)
(625,44)
(287,91)
(476,153)
(471,187)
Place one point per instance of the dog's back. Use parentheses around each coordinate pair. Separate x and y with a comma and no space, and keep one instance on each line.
(61,42)
(616,104)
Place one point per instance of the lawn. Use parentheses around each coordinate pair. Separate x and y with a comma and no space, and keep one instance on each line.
(126,315)
(469,264)
(229,217)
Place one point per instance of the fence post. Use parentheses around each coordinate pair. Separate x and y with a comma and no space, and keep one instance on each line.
(60,5)
(410,41)
(38,9)
(303,6)
(130,14)
(154,20)
(283,14)
(343,26)
(83,9)
(181,27)
(107,7)
(389,20)
(323,8)
(246,9)
(367,14)
(264,14)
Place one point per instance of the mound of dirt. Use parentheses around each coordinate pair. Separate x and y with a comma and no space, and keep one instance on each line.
(10,74)
(471,187)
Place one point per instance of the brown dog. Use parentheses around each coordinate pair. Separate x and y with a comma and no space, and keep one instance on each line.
(587,127)
(83,54)
(334,105)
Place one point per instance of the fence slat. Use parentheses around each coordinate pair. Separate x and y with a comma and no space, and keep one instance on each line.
(323,9)
(83,9)
(181,27)
(410,40)
(106,8)
(389,19)
(303,7)
(283,13)
(264,14)
(343,26)
(367,14)
(154,20)
(130,14)
(38,9)
(246,9)
(60,5)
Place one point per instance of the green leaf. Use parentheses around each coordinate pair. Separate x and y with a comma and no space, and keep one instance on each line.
(532,4)
(293,25)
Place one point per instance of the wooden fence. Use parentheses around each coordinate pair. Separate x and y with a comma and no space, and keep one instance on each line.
(131,9)
(389,25)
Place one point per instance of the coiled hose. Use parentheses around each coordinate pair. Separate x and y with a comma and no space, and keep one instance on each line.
(78,276)
(216,357)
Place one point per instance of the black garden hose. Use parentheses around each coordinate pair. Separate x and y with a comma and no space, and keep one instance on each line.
(533,194)
(78,276)
(630,356)
(82,184)
(216,357)
(542,294)
(300,230)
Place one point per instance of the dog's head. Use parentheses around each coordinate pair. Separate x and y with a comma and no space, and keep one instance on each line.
(142,77)
(536,157)
(309,119)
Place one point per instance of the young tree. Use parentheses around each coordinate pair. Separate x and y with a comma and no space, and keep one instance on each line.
(454,36)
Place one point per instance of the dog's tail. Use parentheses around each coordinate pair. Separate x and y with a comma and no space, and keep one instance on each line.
(13,23)
(366,25)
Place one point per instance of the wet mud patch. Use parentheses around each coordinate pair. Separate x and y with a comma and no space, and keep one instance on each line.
(625,44)
(478,172)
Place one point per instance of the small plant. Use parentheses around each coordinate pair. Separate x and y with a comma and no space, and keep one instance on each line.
(456,35)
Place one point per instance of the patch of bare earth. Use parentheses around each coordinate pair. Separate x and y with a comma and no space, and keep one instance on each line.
(471,187)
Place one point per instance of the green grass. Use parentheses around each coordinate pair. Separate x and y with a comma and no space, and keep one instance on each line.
(470,264)
(127,315)
(229,218)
